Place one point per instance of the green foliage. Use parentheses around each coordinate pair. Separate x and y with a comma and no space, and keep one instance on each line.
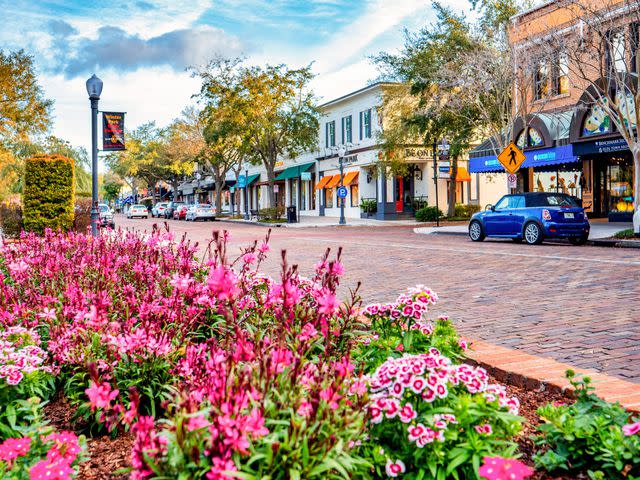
(428,214)
(587,435)
(111,190)
(10,220)
(82,217)
(274,213)
(48,197)
(369,205)
(628,233)
(465,211)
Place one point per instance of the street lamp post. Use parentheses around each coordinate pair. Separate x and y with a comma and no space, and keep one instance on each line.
(435,178)
(94,89)
(246,194)
(342,151)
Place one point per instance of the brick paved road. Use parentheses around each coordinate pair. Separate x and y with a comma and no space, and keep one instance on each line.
(577,305)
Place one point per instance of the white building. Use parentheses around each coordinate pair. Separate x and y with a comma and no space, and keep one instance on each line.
(310,181)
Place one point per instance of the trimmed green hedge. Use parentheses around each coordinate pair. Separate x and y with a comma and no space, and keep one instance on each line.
(48,195)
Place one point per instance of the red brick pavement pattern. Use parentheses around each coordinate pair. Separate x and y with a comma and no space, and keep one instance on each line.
(521,369)
(576,305)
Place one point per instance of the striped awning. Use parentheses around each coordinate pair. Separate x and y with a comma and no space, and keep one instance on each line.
(323,182)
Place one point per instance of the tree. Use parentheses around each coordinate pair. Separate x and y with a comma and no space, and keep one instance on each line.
(435,113)
(602,61)
(23,109)
(271,109)
(111,187)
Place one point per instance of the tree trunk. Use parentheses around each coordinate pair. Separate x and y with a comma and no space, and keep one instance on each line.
(219,197)
(271,176)
(451,194)
(153,192)
(174,185)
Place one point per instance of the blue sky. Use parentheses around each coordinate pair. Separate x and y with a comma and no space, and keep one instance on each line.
(140,48)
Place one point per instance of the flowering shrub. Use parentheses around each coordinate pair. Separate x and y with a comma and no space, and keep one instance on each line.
(404,327)
(41,453)
(590,434)
(23,374)
(436,419)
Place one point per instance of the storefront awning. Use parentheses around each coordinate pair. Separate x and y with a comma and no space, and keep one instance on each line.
(323,182)
(350,178)
(294,171)
(462,175)
(534,158)
(334,182)
(252,178)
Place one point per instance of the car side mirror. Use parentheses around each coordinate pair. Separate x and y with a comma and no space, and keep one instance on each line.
(490,207)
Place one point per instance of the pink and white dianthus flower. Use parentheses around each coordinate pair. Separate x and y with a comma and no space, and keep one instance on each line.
(631,429)
(394,469)
(498,468)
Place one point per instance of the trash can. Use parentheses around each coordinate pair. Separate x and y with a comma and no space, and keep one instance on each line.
(291,214)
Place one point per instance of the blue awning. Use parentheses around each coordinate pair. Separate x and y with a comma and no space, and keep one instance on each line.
(534,158)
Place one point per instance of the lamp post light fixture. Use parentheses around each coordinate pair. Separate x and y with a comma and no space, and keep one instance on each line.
(342,151)
(246,194)
(94,89)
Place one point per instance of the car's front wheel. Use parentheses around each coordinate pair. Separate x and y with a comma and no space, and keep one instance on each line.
(581,240)
(475,231)
(533,233)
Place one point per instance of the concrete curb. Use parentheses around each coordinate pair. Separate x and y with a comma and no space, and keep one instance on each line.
(544,374)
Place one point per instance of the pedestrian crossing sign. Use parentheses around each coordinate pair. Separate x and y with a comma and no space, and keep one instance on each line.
(511,158)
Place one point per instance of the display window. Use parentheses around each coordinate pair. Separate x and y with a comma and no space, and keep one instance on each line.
(567,181)
(620,185)
(354,195)
(329,193)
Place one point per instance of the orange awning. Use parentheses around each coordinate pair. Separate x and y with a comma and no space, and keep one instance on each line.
(323,182)
(335,181)
(350,178)
(463,175)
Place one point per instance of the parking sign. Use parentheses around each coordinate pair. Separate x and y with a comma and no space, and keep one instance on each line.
(342,192)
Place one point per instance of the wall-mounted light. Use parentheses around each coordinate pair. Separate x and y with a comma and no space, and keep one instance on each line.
(418,173)
(369,178)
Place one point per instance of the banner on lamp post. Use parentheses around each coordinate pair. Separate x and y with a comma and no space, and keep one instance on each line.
(113,131)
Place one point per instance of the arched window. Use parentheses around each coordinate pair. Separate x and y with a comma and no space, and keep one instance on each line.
(535,138)
(596,123)
(521,140)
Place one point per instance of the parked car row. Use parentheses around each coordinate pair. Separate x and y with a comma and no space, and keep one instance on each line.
(174,211)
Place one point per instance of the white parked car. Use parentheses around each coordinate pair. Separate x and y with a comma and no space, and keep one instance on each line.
(202,211)
(158,209)
(138,211)
(106,215)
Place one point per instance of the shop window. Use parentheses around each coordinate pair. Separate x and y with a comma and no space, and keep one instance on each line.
(354,195)
(620,186)
(627,105)
(559,181)
(541,81)
(328,197)
(561,74)
(597,122)
(521,140)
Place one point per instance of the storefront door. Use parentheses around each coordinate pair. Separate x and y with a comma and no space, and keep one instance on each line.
(399,194)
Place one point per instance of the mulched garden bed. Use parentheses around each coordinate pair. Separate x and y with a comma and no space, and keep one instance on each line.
(108,455)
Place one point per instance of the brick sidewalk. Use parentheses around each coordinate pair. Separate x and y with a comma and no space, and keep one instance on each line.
(576,305)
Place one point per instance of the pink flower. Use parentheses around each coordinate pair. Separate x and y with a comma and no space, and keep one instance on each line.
(394,469)
(100,395)
(327,303)
(631,429)
(407,413)
(264,248)
(14,447)
(220,469)
(336,268)
(198,422)
(46,470)
(305,409)
(249,258)
(400,347)
(308,332)
(498,468)
(484,429)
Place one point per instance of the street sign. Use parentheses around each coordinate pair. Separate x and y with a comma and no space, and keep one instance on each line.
(511,158)
(276,188)
(242,181)
(444,169)
(512,180)
(305,176)
(342,192)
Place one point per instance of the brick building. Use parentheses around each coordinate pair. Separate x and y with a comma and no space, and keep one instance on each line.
(570,142)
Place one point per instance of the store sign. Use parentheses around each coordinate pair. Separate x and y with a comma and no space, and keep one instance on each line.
(242,181)
(276,188)
(418,153)
(113,131)
(305,176)
(600,146)
(444,170)
(349,159)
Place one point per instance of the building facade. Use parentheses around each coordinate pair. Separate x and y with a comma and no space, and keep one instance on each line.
(570,143)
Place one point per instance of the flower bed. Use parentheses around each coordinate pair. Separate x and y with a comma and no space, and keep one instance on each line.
(217,371)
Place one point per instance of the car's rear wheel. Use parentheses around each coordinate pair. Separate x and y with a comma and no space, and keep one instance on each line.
(581,240)
(533,233)
(475,231)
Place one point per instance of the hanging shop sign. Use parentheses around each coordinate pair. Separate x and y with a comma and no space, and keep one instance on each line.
(305,176)
(113,131)
(444,170)
(242,181)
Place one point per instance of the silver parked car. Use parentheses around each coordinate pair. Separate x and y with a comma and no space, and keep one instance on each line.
(106,215)
(138,210)
(202,211)
(158,209)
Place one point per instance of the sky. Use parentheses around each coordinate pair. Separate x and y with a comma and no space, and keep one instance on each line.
(141,48)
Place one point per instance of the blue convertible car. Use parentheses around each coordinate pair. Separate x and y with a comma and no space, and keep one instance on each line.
(532,217)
